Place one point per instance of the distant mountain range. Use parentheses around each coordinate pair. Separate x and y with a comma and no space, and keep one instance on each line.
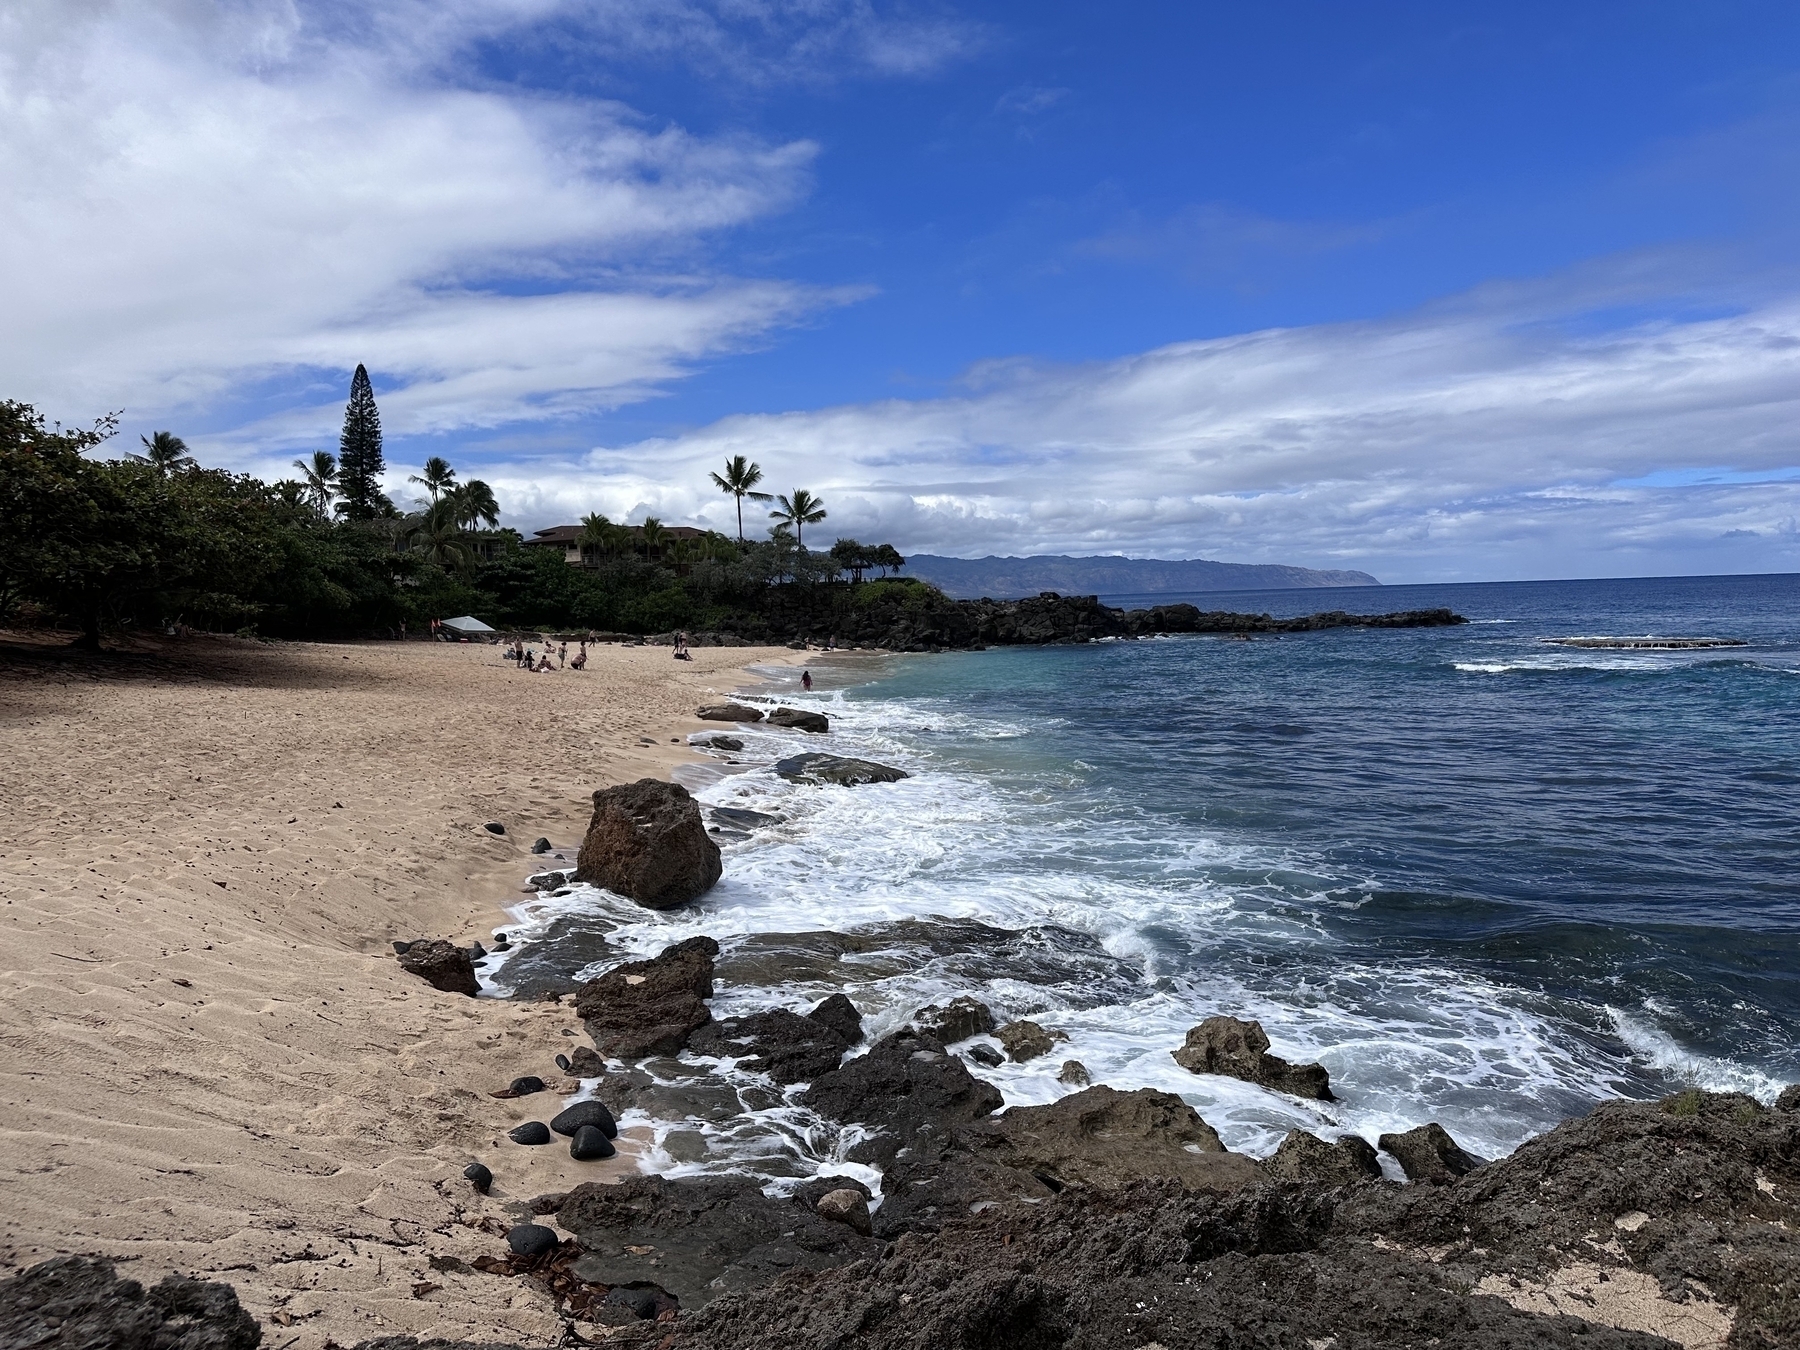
(1010,578)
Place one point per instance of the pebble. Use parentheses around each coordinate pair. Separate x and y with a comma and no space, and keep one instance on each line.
(521,1087)
(494,827)
(530,1239)
(586,1113)
(531,1132)
(479,1176)
(590,1141)
(476,951)
(542,846)
(562,1062)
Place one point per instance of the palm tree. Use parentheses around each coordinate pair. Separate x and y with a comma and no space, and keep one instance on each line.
(653,536)
(320,478)
(438,535)
(473,504)
(739,477)
(438,477)
(166,452)
(799,511)
(596,533)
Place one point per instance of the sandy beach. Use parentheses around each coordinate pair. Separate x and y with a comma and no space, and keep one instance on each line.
(214,1064)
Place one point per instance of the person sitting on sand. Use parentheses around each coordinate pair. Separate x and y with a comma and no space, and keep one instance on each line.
(580,661)
(544,663)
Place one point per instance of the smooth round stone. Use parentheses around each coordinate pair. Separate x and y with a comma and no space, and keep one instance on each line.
(479,1176)
(402,948)
(562,1062)
(531,1132)
(524,1087)
(531,1239)
(590,1143)
(494,827)
(586,1113)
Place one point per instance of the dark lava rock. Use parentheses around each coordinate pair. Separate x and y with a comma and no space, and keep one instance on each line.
(1099,1137)
(647,843)
(1074,1073)
(1307,1158)
(906,1083)
(531,1132)
(728,712)
(786,1046)
(799,720)
(845,1206)
(479,1177)
(585,1062)
(590,1112)
(1428,1153)
(1236,1049)
(521,1087)
(78,1303)
(985,1055)
(956,1021)
(401,948)
(542,845)
(644,1301)
(564,1063)
(590,1142)
(645,1008)
(1789,1100)
(840,1014)
(442,965)
(531,1239)
(821,769)
(1027,1040)
(494,827)
(732,743)
(700,1238)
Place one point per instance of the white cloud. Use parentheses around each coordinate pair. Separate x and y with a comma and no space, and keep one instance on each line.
(1485,438)
(201,196)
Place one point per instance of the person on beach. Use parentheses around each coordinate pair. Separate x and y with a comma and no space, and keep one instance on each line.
(562,655)
(580,661)
(806,680)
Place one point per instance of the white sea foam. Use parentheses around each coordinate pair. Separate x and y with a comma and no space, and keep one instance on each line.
(1654,1047)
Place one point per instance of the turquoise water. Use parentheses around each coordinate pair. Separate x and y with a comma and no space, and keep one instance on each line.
(1485,880)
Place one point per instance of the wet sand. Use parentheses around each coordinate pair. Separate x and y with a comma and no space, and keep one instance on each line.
(213,1062)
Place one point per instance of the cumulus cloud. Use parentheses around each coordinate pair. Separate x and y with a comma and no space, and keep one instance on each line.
(203,196)
(1491,437)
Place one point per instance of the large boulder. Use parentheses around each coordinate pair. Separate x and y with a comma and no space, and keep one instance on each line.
(1307,1158)
(906,1084)
(78,1302)
(728,712)
(788,1047)
(838,770)
(841,1015)
(700,1238)
(1429,1154)
(1236,1049)
(442,965)
(648,843)
(645,1008)
(957,1020)
(1025,1040)
(800,720)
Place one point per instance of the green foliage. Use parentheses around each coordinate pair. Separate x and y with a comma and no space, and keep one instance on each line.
(360,462)
(1684,1103)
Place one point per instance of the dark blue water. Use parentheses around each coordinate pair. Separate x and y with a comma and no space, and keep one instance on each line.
(1486,880)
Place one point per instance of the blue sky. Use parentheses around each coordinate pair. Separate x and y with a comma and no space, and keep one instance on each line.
(1440,291)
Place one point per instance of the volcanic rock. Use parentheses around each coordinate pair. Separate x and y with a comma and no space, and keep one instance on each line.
(906,1083)
(840,1014)
(783,1044)
(530,1239)
(1236,1049)
(78,1303)
(589,1112)
(542,845)
(479,1177)
(742,818)
(645,1008)
(521,1087)
(799,720)
(985,1055)
(647,843)
(590,1142)
(955,1021)
(845,1206)
(1429,1154)
(1027,1040)
(699,1238)
(494,827)
(442,965)
(733,743)
(532,1132)
(1307,1158)
(585,1062)
(728,712)
(822,769)
(1074,1073)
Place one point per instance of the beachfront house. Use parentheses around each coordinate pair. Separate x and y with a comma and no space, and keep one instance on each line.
(569,538)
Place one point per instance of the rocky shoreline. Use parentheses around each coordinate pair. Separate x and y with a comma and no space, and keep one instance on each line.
(1106,1220)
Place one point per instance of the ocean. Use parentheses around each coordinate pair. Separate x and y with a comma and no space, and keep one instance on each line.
(1485,880)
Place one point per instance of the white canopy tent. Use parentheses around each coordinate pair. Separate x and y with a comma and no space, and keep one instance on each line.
(467,625)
